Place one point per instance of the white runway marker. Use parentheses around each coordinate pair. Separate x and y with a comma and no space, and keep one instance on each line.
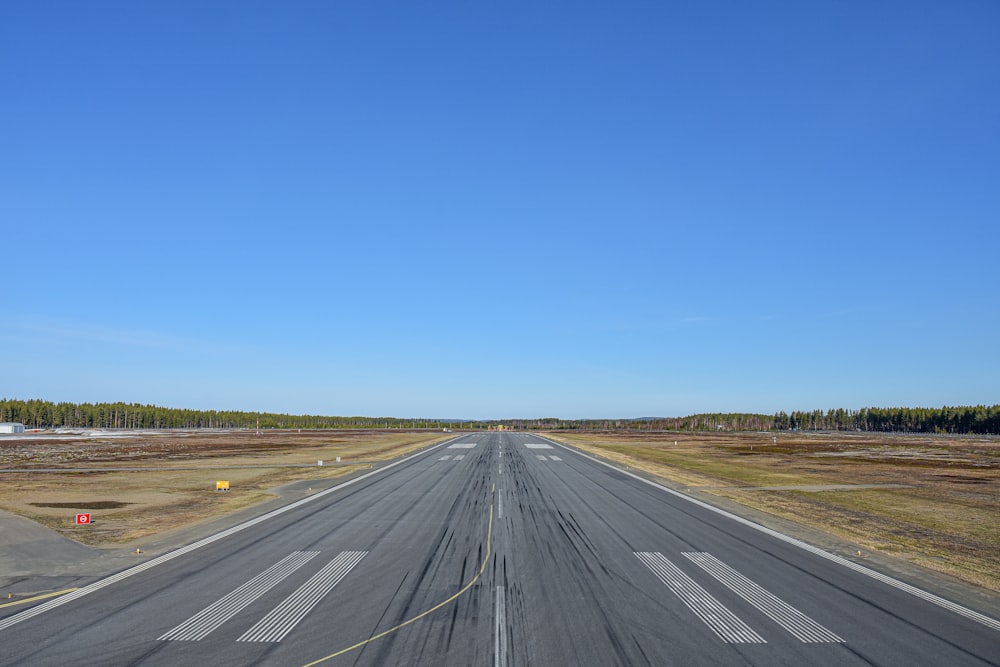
(500,652)
(537,445)
(779,611)
(284,617)
(211,617)
(718,618)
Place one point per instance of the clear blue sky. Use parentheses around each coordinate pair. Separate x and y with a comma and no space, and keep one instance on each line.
(501,209)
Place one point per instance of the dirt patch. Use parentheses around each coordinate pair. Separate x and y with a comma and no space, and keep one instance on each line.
(138,487)
(88,504)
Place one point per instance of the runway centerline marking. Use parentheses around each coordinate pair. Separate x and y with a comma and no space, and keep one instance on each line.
(500,647)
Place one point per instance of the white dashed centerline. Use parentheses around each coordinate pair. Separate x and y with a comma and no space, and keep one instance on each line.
(500,630)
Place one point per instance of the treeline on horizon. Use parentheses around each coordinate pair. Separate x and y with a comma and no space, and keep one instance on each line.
(36,413)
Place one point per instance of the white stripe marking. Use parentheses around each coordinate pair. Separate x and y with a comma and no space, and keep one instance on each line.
(459,457)
(718,618)
(537,445)
(500,645)
(555,458)
(779,611)
(284,617)
(211,617)
(445,457)
(462,445)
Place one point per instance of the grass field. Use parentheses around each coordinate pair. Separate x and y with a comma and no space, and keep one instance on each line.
(931,500)
(129,505)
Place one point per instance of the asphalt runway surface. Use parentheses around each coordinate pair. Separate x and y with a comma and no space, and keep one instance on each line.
(498,549)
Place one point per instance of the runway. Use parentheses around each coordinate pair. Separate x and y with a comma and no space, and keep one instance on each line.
(498,549)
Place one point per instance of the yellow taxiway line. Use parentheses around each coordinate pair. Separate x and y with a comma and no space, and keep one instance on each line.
(37,597)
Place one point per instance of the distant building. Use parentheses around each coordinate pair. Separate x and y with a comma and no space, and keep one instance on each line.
(11,427)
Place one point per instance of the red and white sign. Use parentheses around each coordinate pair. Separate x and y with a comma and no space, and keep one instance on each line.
(82,518)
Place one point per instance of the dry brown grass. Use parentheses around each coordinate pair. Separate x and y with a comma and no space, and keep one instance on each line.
(130,505)
(936,501)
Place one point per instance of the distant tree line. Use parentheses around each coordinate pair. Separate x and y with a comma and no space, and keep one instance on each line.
(37,413)
(959,419)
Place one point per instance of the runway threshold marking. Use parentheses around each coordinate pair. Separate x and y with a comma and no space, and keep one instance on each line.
(214,615)
(283,618)
(791,619)
(460,593)
(724,623)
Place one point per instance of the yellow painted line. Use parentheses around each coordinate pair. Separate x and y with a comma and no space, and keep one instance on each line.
(482,568)
(37,597)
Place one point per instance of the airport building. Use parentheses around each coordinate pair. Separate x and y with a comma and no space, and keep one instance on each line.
(11,427)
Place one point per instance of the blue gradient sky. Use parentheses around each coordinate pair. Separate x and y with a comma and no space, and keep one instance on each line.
(501,209)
